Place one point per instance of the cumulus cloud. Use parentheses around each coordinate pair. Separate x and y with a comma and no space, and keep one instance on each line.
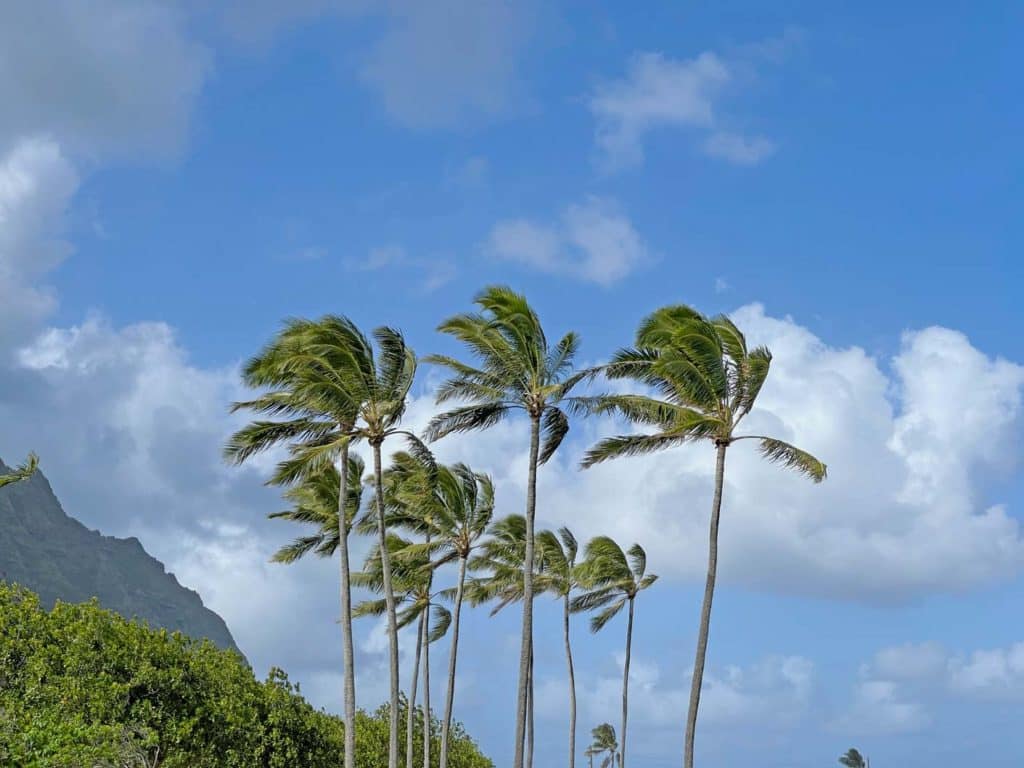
(873,531)
(593,241)
(36,186)
(900,687)
(658,91)
(105,77)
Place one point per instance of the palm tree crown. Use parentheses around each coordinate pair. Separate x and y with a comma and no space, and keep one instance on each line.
(708,381)
(315,502)
(611,578)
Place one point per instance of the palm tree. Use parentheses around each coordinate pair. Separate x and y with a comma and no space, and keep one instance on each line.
(465,509)
(854,759)
(412,582)
(605,743)
(502,558)
(22,472)
(517,370)
(315,502)
(706,381)
(326,380)
(558,555)
(313,376)
(613,579)
(408,496)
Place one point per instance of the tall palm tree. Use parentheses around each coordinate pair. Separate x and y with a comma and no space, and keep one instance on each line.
(558,555)
(408,496)
(325,378)
(517,371)
(613,579)
(705,381)
(22,472)
(313,376)
(501,560)
(605,743)
(412,582)
(465,509)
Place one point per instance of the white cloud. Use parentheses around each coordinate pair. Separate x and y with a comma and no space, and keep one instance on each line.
(108,76)
(901,685)
(879,708)
(741,150)
(660,92)
(593,241)
(990,673)
(443,63)
(774,691)
(871,531)
(36,186)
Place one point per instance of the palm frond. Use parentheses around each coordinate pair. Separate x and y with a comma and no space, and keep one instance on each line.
(22,472)
(790,457)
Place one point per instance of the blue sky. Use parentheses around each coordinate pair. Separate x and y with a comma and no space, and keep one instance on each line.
(846,180)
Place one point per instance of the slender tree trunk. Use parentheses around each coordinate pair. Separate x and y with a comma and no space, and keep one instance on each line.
(426,687)
(452,659)
(625,685)
(410,710)
(529,714)
(389,601)
(572,686)
(525,648)
(705,611)
(347,650)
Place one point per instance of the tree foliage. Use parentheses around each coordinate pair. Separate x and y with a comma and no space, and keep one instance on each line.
(81,687)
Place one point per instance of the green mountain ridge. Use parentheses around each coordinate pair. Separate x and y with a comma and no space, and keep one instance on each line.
(53,554)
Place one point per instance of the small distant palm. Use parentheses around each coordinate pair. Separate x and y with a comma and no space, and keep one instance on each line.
(612,580)
(604,743)
(854,759)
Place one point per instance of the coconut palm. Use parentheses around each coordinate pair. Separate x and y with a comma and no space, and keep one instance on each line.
(705,381)
(408,496)
(464,510)
(333,389)
(518,371)
(313,374)
(854,759)
(604,743)
(315,503)
(22,472)
(558,555)
(613,579)
(501,558)
(413,584)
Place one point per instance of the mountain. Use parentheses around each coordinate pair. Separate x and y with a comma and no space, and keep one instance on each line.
(57,557)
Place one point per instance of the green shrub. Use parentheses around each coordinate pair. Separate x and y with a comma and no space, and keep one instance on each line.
(81,687)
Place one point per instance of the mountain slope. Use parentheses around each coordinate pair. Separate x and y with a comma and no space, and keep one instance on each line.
(57,557)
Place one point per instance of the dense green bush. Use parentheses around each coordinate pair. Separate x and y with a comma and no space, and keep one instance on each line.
(81,687)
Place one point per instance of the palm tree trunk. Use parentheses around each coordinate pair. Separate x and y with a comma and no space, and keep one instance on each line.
(705,611)
(529,714)
(410,710)
(572,686)
(389,601)
(452,658)
(625,685)
(347,648)
(525,647)
(426,688)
